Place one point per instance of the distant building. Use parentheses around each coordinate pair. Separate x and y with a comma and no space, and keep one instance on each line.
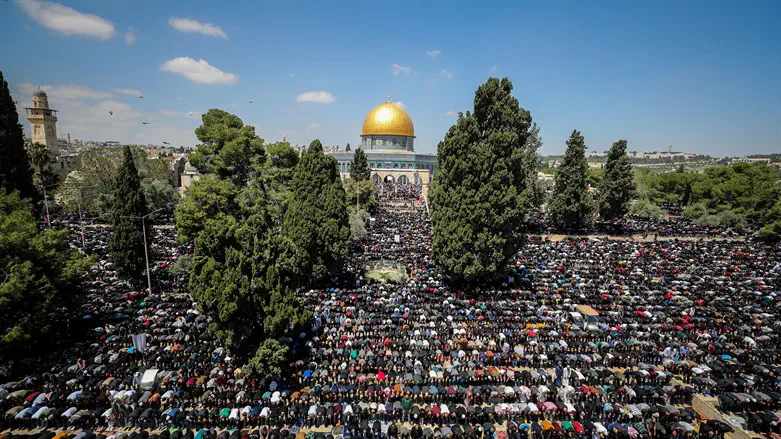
(188,177)
(43,122)
(43,126)
(753,160)
(661,154)
(388,139)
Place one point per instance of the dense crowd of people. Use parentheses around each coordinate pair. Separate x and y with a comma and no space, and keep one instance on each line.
(585,338)
(669,226)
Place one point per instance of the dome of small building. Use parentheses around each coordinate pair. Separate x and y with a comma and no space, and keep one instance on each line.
(388,119)
(39,93)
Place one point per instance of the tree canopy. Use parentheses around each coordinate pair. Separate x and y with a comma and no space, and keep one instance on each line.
(39,274)
(359,170)
(90,184)
(316,226)
(571,207)
(15,170)
(127,242)
(617,188)
(228,148)
(485,190)
(233,214)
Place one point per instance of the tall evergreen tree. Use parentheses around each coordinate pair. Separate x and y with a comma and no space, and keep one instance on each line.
(571,208)
(316,226)
(618,185)
(485,186)
(127,243)
(348,148)
(360,168)
(15,170)
(234,274)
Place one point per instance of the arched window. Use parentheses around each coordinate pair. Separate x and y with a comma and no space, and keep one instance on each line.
(403,179)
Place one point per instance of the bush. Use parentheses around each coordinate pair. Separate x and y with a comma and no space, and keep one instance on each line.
(696,212)
(770,232)
(646,209)
(358,224)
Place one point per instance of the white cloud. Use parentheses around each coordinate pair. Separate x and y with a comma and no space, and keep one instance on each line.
(493,69)
(291,74)
(447,74)
(198,71)
(312,126)
(400,104)
(433,53)
(397,68)
(67,21)
(67,91)
(128,91)
(451,113)
(190,25)
(130,36)
(317,97)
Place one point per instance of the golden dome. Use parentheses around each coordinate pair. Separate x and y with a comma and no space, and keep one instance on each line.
(388,119)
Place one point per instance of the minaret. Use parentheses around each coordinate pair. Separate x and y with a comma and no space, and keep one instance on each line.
(43,122)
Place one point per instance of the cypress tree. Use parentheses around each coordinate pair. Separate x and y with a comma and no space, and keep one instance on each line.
(618,184)
(347,148)
(360,168)
(127,243)
(316,226)
(485,186)
(15,170)
(571,208)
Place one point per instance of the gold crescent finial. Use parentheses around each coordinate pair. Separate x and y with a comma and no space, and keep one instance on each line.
(389,96)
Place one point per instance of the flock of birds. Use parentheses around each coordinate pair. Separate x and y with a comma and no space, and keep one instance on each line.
(111,113)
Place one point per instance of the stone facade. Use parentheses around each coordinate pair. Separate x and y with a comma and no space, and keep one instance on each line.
(43,122)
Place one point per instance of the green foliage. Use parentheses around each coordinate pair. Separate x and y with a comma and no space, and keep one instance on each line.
(594,176)
(269,360)
(15,171)
(770,232)
(316,227)
(229,149)
(359,170)
(358,224)
(234,221)
(646,209)
(207,197)
(617,187)
(39,273)
(734,196)
(181,267)
(485,190)
(91,182)
(673,187)
(282,155)
(347,148)
(159,194)
(696,211)
(362,192)
(127,242)
(571,207)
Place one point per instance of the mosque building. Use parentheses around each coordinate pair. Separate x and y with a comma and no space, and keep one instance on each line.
(388,139)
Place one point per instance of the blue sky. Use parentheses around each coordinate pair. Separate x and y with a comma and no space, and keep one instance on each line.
(701,76)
